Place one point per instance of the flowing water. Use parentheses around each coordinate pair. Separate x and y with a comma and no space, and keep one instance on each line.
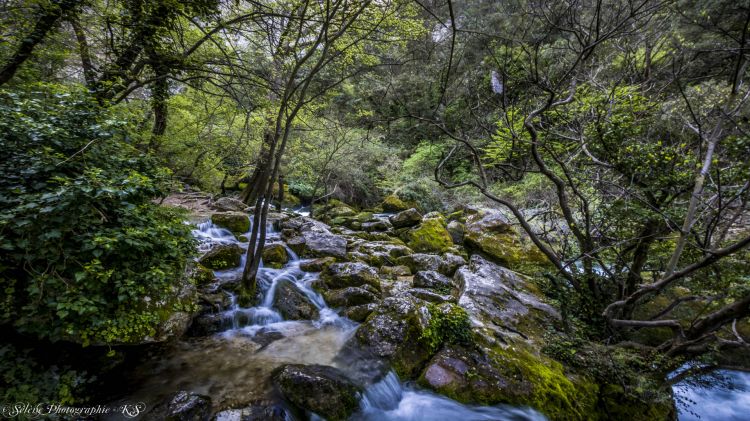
(722,395)
(234,366)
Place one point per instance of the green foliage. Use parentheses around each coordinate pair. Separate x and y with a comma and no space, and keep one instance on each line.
(449,324)
(86,254)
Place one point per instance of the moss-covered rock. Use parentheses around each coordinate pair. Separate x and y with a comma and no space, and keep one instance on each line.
(237,222)
(222,256)
(320,389)
(203,275)
(293,304)
(350,274)
(407,218)
(349,297)
(429,236)
(393,204)
(317,265)
(275,255)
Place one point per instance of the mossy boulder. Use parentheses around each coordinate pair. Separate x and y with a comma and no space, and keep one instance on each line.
(394,332)
(317,265)
(237,222)
(323,390)
(393,204)
(350,274)
(433,280)
(222,257)
(407,218)
(456,230)
(420,261)
(429,236)
(293,304)
(203,275)
(349,297)
(360,313)
(275,255)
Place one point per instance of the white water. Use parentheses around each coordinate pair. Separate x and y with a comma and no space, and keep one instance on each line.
(723,395)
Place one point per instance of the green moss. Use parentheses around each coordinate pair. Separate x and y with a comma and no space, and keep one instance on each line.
(429,236)
(202,275)
(237,222)
(393,204)
(275,256)
(449,324)
(551,391)
(620,406)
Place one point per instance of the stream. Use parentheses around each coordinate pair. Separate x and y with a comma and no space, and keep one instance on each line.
(234,365)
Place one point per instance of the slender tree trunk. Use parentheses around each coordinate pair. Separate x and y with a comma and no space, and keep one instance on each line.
(83,51)
(280,198)
(47,19)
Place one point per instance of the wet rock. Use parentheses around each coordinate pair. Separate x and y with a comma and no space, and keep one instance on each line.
(456,230)
(407,218)
(320,389)
(320,244)
(393,204)
(393,332)
(237,222)
(262,411)
(431,296)
(348,297)
(175,325)
(275,255)
(420,261)
(265,337)
(359,313)
(229,204)
(433,280)
(292,304)
(374,226)
(187,406)
(316,265)
(342,275)
(215,302)
(450,263)
(208,324)
(222,256)
(501,303)
(203,276)
(429,236)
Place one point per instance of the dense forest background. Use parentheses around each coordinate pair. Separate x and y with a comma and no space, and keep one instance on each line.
(614,134)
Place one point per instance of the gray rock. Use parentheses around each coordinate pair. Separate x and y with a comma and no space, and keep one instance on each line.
(500,302)
(376,226)
(229,204)
(316,265)
(342,275)
(208,324)
(407,218)
(262,411)
(361,312)
(292,304)
(433,280)
(420,261)
(321,244)
(431,296)
(323,390)
(348,297)
(450,263)
(187,406)
(456,230)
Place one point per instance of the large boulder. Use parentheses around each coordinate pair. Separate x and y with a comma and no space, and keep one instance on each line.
(237,222)
(323,390)
(433,280)
(394,332)
(348,297)
(456,229)
(350,274)
(275,255)
(393,204)
(407,218)
(490,232)
(229,204)
(450,263)
(420,261)
(316,265)
(361,312)
(292,304)
(222,256)
(321,244)
(429,237)
(374,226)
(501,303)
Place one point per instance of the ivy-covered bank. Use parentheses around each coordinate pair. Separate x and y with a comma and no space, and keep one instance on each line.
(87,255)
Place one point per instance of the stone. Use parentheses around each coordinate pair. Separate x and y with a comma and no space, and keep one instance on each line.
(323,390)
(316,265)
(450,263)
(208,324)
(376,226)
(407,218)
(229,204)
(393,204)
(275,255)
(501,303)
(348,274)
(393,332)
(420,261)
(203,276)
(429,236)
(187,406)
(348,297)
(456,230)
(222,256)
(174,326)
(361,312)
(237,222)
(433,280)
(292,304)
(320,244)
(490,232)
(262,411)
(431,296)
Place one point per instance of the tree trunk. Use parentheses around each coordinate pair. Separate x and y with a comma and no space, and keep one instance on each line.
(83,51)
